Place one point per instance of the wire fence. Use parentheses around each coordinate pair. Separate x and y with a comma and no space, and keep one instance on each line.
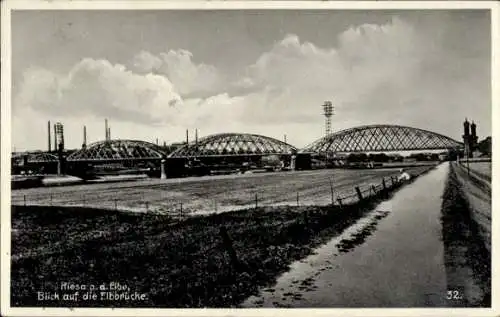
(478,169)
(162,204)
(474,178)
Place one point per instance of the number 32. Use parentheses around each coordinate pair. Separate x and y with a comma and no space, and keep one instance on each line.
(453,295)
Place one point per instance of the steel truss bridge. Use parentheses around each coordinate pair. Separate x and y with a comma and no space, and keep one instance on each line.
(118,150)
(382,138)
(369,138)
(35,158)
(233,144)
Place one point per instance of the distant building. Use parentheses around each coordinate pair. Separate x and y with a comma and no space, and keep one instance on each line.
(484,147)
(59,136)
(409,159)
(470,138)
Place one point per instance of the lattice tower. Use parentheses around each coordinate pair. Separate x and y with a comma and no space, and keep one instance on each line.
(328,113)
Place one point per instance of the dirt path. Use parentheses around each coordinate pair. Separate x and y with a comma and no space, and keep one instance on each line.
(392,258)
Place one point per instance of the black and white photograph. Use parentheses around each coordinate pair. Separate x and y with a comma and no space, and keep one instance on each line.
(223,155)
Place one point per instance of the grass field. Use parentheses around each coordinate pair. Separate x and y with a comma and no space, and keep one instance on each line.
(483,168)
(204,195)
(176,264)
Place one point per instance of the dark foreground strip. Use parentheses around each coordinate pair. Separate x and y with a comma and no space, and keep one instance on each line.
(213,261)
(464,250)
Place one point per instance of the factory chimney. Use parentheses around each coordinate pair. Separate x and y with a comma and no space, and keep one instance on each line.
(196,136)
(84,145)
(48,131)
(187,136)
(55,138)
(106,131)
(109,133)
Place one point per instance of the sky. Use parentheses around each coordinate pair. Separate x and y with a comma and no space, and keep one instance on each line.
(154,74)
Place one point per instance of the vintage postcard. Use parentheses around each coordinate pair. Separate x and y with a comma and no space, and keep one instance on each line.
(249,158)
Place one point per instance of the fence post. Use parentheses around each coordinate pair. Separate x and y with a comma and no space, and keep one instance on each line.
(385,191)
(256,201)
(229,247)
(306,218)
(83,199)
(331,189)
(358,191)
(51,199)
(25,200)
(147,205)
(340,201)
(297,199)
(116,208)
(182,216)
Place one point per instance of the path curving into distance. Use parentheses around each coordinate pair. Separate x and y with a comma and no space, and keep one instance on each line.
(398,261)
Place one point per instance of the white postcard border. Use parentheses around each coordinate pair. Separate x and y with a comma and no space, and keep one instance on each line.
(5,127)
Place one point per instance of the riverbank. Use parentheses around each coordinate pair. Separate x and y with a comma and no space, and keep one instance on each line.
(467,257)
(207,261)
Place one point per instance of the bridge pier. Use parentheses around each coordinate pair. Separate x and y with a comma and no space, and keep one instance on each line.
(293,162)
(163,170)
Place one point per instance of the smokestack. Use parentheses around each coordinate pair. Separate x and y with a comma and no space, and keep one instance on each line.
(109,133)
(48,131)
(187,136)
(84,136)
(284,137)
(106,131)
(55,139)
(156,141)
(196,136)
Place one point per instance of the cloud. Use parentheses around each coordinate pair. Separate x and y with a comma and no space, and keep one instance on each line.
(390,73)
(368,59)
(99,88)
(177,65)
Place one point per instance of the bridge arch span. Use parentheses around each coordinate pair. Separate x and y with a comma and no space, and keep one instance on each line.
(233,144)
(381,138)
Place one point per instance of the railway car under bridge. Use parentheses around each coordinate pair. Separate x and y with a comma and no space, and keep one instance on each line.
(116,157)
(229,152)
(374,138)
